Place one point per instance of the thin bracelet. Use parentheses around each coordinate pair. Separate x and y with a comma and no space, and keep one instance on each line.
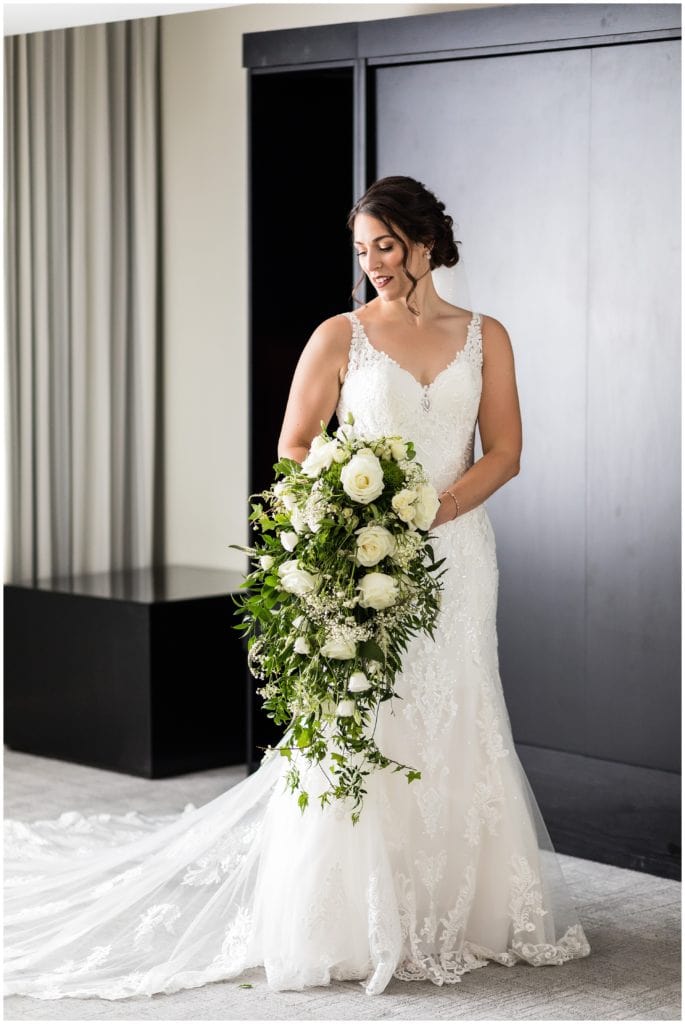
(453,497)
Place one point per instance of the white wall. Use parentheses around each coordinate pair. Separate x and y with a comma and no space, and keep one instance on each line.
(205,244)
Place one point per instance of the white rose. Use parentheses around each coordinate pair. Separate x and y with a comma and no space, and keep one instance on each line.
(362,477)
(340,649)
(373,544)
(286,567)
(340,455)
(398,449)
(299,582)
(266,561)
(320,456)
(427,504)
(298,621)
(345,708)
(289,502)
(378,590)
(403,504)
(342,434)
(358,683)
(289,540)
(295,580)
(301,645)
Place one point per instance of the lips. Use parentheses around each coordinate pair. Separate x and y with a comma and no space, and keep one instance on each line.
(381,281)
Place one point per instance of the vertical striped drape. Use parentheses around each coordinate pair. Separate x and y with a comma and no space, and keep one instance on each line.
(83,287)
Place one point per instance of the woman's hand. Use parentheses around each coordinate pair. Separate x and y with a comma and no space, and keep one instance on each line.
(445,511)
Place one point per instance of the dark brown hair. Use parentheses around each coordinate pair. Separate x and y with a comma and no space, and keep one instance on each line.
(410,206)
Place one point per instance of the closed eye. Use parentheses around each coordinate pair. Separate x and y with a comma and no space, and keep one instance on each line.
(388,248)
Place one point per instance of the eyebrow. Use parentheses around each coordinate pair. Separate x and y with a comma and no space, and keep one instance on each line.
(376,239)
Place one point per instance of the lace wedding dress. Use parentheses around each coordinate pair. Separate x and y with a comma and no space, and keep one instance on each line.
(438,877)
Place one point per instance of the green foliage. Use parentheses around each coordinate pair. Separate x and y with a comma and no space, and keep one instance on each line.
(303,800)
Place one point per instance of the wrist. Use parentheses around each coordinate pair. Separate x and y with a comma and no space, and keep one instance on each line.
(451,497)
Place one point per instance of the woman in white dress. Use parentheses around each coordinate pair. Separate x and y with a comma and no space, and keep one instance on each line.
(438,878)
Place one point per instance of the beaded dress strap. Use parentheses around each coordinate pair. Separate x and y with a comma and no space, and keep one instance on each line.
(477,324)
(355,357)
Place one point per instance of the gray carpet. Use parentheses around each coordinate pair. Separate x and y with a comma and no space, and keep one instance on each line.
(632,921)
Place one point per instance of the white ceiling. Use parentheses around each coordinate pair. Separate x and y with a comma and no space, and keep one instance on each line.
(19,18)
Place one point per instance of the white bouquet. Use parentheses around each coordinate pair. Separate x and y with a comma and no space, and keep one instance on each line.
(344,575)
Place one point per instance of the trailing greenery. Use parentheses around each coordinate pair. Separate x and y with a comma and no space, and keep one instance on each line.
(344,575)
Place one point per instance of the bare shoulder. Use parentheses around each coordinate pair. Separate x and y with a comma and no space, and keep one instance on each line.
(329,344)
(335,329)
(332,336)
(497,345)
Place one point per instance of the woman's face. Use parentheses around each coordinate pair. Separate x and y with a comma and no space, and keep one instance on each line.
(380,256)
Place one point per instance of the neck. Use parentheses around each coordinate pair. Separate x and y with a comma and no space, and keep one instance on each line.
(424,298)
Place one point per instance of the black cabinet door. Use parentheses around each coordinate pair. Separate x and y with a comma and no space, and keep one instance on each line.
(301,190)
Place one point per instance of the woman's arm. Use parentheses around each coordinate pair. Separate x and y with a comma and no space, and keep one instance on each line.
(499,422)
(315,387)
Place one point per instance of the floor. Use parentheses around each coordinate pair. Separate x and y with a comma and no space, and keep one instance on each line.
(631,919)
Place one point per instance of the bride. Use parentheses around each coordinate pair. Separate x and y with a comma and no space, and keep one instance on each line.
(438,878)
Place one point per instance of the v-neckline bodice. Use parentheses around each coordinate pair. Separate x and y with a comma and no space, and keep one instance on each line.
(424,387)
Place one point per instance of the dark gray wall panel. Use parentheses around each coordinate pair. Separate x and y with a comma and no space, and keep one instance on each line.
(539,157)
(505,145)
(633,482)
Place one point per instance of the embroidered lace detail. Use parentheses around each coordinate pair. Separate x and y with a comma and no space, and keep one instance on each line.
(162,915)
(98,956)
(363,349)
(35,913)
(234,945)
(526,898)
(223,858)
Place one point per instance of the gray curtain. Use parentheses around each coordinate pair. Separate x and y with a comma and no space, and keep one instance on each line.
(83,286)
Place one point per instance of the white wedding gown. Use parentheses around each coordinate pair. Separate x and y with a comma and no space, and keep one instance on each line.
(439,877)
